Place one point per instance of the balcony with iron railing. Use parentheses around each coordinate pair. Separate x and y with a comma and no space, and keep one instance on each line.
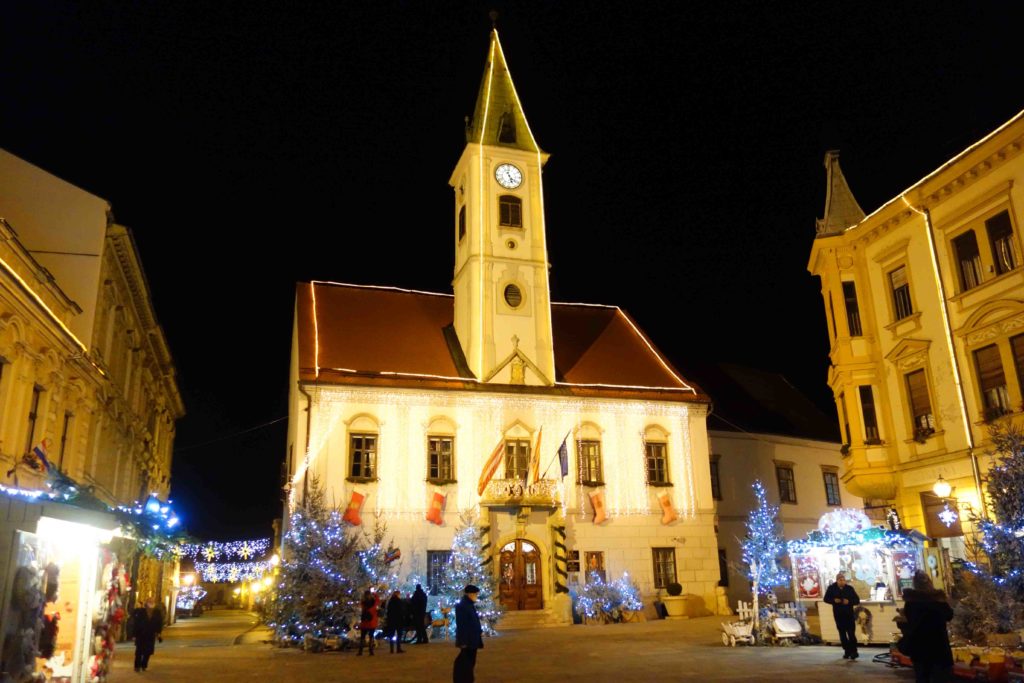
(516,493)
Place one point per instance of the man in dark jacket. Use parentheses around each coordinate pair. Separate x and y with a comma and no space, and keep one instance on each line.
(468,635)
(925,637)
(148,623)
(418,607)
(396,621)
(842,597)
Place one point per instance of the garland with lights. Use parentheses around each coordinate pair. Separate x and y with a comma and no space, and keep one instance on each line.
(212,551)
(607,602)
(231,572)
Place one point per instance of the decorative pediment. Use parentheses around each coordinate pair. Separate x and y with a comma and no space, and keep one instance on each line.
(909,354)
(993,319)
(518,363)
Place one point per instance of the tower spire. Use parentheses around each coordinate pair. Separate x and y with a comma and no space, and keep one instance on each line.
(841,209)
(498,118)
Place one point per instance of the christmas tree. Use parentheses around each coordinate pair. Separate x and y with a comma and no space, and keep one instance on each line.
(471,564)
(1002,539)
(762,548)
(323,572)
(608,601)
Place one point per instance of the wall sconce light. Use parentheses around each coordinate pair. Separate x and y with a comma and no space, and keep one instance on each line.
(942,488)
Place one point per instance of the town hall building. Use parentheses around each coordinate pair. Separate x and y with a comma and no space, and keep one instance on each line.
(416,406)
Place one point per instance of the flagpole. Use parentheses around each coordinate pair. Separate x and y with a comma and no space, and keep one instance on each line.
(556,455)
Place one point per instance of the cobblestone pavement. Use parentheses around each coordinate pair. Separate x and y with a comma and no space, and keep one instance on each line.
(198,650)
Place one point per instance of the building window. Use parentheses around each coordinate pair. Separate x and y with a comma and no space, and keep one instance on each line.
(831,487)
(517,458)
(510,211)
(1000,234)
(1016,346)
(992,381)
(968,260)
(867,404)
(723,568)
(900,293)
(852,310)
(844,420)
(507,128)
(920,405)
(657,463)
(33,416)
(787,483)
(716,485)
(664,566)
(595,565)
(832,317)
(437,566)
(440,455)
(589,453)
(63,440)
(363,448)
(462,222)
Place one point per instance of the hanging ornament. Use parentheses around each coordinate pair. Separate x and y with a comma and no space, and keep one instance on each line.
(597,500)
(668,513)
(352,512)
(434,514)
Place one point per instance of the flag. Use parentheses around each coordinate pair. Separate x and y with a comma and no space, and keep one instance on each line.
(352,512)
(533,474)
(668,512)
(563,457)
(40,452)
(491,466)
(390,557)
(436,508)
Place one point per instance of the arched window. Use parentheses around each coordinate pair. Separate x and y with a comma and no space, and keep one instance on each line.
(510,211)
(462,222)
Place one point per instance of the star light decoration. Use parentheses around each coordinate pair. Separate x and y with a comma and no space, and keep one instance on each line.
(211,551)
(948,516)
(231,572)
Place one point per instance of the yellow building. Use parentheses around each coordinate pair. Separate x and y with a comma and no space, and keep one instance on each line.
(924,300)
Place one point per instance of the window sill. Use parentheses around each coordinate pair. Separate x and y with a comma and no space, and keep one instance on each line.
(956,298)
(361,480)
(911,321)
(922,440)
(441,482)
(592,484)
(659,484)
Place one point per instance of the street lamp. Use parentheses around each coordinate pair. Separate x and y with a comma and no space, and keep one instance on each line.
(942,488)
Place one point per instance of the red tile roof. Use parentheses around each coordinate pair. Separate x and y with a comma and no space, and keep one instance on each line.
(385,336)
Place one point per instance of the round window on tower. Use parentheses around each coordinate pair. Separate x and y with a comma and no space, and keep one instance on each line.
(511,244)
(513,296)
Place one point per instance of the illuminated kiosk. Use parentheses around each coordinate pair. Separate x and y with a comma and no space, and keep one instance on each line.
(55,559)
(879,563)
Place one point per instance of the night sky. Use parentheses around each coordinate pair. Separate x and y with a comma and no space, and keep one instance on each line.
(251,145)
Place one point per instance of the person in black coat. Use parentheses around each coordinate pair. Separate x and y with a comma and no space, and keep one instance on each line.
(843,598)
(468,635)
(925,638)
(394,626)
(418,608)
(148,623)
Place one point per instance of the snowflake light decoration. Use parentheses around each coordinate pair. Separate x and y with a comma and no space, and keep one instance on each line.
(948,516)
(210,553)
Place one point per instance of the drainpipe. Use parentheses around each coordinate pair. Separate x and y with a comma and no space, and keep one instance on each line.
(948,333)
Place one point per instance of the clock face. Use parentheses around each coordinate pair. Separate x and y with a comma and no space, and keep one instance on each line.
(508,176)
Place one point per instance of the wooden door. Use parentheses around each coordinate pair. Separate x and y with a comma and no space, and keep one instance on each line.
(520,585)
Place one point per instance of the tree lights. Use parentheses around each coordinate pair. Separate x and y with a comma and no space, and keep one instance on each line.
(608,601)
(470,564)
(763,547)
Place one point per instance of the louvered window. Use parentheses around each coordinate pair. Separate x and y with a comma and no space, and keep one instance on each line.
(920,404)
(992,381)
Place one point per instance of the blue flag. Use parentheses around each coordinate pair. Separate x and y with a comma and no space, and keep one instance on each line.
(563,457)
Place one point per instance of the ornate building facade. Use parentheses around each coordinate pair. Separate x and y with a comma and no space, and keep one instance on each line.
(414,406)
(924,302)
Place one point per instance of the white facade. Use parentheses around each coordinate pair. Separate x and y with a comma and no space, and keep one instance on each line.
(744,457)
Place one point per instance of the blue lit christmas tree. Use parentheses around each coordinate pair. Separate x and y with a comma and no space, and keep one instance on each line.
(472,563)
(762,549)
(1002,539)
(608,601)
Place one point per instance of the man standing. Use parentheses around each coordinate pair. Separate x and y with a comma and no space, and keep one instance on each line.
(842,597)
(418,605)
(468,635)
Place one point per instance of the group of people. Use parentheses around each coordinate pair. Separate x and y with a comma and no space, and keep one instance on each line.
(468,632)
(398,614)
(922,621)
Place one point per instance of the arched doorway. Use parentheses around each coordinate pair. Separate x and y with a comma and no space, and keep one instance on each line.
(520,586)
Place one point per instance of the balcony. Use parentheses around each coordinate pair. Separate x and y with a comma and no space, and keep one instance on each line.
(515,493)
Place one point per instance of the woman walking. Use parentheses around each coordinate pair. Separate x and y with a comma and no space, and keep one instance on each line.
(368,620)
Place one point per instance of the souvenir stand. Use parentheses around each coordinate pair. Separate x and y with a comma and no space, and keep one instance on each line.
(61,589)
(879,563)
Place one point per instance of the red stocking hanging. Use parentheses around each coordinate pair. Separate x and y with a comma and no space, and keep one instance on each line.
(436,509)
(597,500)
(352,512)
(668,513)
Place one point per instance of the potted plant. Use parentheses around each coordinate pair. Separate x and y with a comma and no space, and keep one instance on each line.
(675,603)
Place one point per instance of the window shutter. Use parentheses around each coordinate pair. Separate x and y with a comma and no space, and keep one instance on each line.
(990,368)
(917,388)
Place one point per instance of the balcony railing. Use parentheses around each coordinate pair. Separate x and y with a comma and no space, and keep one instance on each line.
(515,492)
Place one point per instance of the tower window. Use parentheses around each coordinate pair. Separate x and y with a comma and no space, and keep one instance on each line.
(462,222)
(510,211)
(852,310)
(867,404)
(507,128)
(513,296)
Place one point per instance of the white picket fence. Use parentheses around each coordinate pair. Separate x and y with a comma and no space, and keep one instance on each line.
(745,610)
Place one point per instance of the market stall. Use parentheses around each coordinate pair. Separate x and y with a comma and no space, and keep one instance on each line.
(62,590)
(879,563)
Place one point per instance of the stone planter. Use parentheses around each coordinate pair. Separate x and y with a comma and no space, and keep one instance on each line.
(675,606)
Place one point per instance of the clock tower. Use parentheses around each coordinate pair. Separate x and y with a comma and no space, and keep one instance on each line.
(502,300)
